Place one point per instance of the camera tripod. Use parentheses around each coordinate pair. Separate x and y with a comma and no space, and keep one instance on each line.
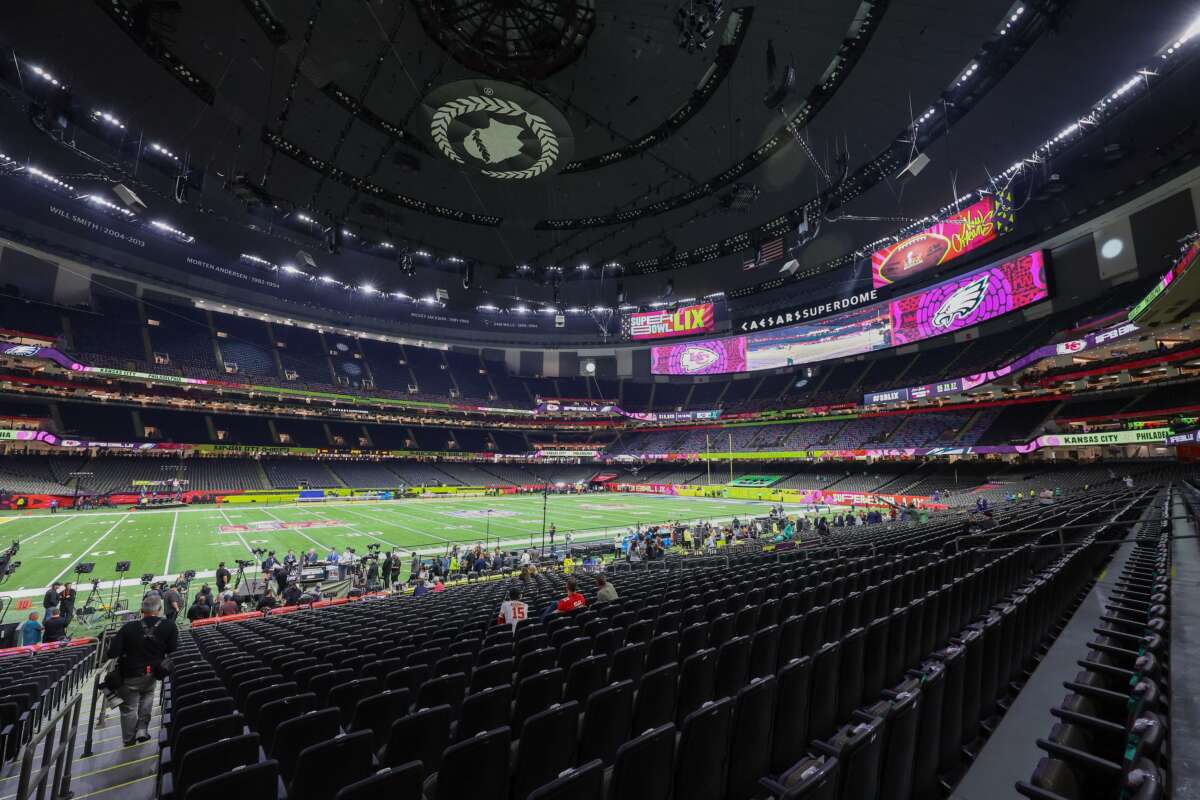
(86,611)
(114,595)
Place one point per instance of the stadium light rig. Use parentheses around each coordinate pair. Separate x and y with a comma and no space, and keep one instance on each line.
(253,259)
(48,178)
(158,148)
(97,200)
(186,238)
(291,269)
(104,116)
(47,77)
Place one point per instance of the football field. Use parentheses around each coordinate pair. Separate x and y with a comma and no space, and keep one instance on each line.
(168,542)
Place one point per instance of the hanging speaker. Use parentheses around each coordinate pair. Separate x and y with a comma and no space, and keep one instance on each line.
(468,275)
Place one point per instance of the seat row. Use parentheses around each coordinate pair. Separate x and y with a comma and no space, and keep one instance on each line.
(1109,738)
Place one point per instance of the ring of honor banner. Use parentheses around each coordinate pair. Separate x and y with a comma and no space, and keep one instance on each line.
(949,306)
(971,228)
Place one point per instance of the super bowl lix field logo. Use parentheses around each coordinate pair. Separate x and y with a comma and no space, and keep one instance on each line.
(497,129)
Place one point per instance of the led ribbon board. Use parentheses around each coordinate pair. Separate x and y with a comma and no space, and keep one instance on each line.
(974,226)
(968,382)
(665,324)
(951,305)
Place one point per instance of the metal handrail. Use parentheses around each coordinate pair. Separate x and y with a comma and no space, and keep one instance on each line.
(56,756)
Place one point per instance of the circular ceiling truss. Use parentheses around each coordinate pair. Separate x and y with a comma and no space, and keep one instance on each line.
(866,22)
(998,55)
(530,39)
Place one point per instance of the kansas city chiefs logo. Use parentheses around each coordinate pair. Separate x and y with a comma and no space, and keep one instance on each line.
(1072,346)
(963,303)
(696,359)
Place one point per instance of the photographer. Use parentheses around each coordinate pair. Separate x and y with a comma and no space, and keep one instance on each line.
(141,649)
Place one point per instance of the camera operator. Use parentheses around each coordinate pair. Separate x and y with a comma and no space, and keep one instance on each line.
(141,648)
(223,576)
(372,572)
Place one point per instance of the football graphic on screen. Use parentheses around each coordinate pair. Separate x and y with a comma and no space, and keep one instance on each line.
(914,254)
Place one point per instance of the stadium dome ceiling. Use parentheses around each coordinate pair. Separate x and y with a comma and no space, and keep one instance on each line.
(514,132)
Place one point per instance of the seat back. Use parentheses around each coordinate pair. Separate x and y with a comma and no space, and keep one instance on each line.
(293,736)
(697,682)
(641,770)
(585,782)
(420,736)
(656,698)
(260,781)
(394,783)
(750,742)
(326,767)
(607,720)
(210,760)
(377,712)
(704,752)
(547,747)
(484,711)
(487,779)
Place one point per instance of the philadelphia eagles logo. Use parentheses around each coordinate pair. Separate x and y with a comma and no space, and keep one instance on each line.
(500,130)
(963,303)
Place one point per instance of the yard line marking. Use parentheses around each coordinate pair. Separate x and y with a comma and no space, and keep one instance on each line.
(237,533)
(171,544)
(294,530)
(79,557)
(356,529)
(45,530)
(398,525)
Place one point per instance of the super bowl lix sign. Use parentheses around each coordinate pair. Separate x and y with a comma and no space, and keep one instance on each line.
(497,129)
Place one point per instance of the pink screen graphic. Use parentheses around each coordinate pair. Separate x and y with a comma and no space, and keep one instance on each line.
(973,227)
(707,357)
(969,300)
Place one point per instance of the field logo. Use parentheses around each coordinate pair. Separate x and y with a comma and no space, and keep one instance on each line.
(963,303)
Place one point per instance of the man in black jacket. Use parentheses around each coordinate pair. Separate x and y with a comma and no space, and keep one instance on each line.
(140,648)
(55,626)
(223,576)
(50,599)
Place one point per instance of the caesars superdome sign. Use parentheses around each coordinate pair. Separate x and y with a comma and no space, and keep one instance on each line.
(497,129)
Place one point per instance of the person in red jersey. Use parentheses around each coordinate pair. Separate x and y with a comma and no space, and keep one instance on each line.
(573,601)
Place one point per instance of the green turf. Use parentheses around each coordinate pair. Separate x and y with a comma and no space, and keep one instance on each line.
(167,543)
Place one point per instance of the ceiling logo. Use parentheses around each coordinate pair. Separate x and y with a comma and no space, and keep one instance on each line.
(497,129)
(963,303)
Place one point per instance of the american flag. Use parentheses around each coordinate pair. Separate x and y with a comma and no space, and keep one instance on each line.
(768,252)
